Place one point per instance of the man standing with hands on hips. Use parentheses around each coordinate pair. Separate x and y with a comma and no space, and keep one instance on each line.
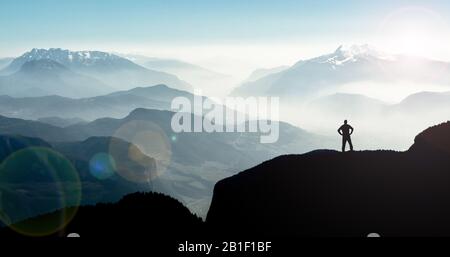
(346,131)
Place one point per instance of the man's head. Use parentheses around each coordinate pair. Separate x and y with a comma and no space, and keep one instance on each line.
(345,121)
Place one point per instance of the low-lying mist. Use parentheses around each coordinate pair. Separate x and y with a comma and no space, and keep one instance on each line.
(379,122)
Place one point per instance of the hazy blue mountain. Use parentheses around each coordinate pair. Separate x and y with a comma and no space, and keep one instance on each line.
(161,93)
(47,77)
(195,161)
(210,82)
(112,70)
(425,102)
(196,75)
(198,144)
(189,163)
(13,126)
(115,105)
(179,67)
(60,122)
(260,73)
(102,177)
(352,105)
(346,66)
(5,62)
(422,108)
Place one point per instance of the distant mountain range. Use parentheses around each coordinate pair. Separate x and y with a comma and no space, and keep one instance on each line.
(47,77)
(61,111)
(195,161)
(330,194)
(352,105)
(379,124)
(347,66)
(260,73)
(210,82)
(28,128)
(5,62)
(115,105)
(77,74)
(425,102)
(192,162)
(60,122)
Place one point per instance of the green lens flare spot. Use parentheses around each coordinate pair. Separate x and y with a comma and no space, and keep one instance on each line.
(35,181)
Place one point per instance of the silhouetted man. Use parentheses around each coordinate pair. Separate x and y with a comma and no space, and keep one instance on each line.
(346,131)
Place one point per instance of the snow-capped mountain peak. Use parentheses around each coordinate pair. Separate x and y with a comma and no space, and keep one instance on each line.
(363,51)
(353,53)
(66,57)
(42,66)
(356,50)
(75,60)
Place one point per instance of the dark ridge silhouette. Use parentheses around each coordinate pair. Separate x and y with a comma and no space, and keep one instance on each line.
(149,216)
(325,193)
(35,190)
(435,139)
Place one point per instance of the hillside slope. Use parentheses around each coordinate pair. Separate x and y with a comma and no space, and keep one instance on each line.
(149,215)
(37,177)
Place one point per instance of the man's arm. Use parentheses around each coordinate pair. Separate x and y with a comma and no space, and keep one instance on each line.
(339,131)
(351,130)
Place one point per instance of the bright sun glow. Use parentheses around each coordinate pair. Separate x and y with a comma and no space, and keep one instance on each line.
(414,31)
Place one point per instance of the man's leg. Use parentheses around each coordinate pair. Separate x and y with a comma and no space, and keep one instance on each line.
(350,143)
(344,142)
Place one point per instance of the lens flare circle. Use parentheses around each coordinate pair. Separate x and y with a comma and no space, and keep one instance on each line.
(102,166)
(34,181)
(149,151)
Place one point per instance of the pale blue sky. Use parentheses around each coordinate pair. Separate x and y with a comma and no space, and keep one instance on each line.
(169,26)
(190,21)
